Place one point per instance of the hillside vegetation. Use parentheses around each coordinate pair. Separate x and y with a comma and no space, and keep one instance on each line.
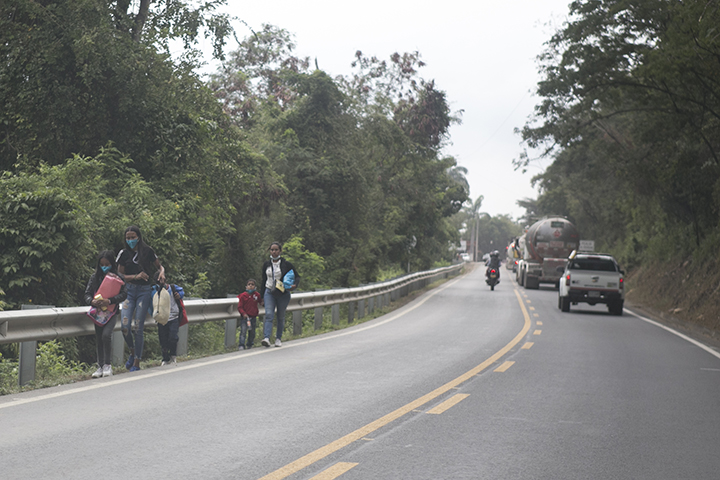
(630,116)
(101,128)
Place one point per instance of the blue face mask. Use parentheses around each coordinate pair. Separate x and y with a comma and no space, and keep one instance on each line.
(132,243)
(250,291)
(105,269)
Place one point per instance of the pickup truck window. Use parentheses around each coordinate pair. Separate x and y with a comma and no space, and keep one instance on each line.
(593,264)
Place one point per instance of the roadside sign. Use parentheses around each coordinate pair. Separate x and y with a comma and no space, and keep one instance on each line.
(587,246)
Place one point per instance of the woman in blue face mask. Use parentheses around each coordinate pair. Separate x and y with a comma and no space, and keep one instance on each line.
(103,333)
(138,262)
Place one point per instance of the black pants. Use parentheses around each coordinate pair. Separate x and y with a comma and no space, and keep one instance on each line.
(103,341)
(168,335)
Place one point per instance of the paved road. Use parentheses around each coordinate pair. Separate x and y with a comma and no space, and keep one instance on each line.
(426,392)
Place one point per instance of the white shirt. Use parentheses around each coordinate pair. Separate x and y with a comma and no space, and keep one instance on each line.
(273,273)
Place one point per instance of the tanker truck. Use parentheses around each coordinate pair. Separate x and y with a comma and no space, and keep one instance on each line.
(545,246)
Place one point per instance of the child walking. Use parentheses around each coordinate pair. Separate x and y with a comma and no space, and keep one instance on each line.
(105,266)
(168,333)
(248,309)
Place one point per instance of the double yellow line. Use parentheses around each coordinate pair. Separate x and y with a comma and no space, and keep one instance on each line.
(333,447)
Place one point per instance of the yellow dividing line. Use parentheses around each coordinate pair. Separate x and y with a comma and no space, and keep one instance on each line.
(361,432)
(447,404)
(334,471)
(537,332)
(528,345)
(504,367)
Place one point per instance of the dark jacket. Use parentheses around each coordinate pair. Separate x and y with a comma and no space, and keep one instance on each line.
(285,267)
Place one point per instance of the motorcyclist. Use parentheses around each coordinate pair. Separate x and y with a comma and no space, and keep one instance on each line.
(493,263)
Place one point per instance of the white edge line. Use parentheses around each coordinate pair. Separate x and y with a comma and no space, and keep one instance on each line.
(675,332)
(223,357)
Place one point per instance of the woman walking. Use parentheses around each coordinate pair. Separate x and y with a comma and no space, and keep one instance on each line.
(105,266)
(137,262)
(275,292)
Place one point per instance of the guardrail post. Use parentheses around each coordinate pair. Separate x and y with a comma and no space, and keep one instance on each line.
(361,308)
(297,322)
(387,299)
(26,359)
(117,345)
(182,345)
(318,318)
(27,353)
(184,335)
(371,305)
(351,312)
(336,314)
(230,330)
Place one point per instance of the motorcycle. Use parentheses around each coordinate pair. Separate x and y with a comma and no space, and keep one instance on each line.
(492,277)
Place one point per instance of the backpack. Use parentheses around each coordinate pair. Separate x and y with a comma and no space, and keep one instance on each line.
(161,306)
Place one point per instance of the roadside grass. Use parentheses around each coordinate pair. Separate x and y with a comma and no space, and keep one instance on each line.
(204,340)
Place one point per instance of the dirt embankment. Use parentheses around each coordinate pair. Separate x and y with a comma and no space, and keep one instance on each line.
(682,294)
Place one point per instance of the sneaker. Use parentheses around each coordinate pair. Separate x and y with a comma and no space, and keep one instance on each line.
(266,342)
(241,347)
(278,343)
(98,373)
(173,360)
(130,362)
(165,362)
(134,368)
(107,371)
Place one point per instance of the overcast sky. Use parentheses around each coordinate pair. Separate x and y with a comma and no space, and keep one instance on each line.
(481,53)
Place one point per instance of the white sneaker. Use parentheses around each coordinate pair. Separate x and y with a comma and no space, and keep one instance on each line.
(278,343)
(173,361)
(107,371)
(98,373)
(266,342)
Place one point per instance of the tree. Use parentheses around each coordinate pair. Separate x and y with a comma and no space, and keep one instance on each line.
(630,113)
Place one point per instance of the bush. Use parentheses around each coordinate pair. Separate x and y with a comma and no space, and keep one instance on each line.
(52,364)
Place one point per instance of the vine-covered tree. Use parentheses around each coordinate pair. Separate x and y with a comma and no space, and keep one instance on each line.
(631,114)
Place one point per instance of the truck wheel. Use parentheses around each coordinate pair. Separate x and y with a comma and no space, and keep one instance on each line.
(532,283)
(521,278)
(565,304)
(616,308)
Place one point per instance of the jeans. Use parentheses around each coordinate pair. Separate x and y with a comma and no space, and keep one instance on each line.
(168,335)
(250,331)
(103,341)
(135,307)
(271,303)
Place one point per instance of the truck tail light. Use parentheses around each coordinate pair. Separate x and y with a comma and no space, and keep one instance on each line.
(567,280)
(622,282)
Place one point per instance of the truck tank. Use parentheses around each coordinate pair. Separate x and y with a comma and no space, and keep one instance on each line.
(547,246)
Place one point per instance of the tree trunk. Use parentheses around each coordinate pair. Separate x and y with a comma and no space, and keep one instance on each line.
(140,19)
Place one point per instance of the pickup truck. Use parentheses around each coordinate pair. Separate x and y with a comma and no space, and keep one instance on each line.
(592,278)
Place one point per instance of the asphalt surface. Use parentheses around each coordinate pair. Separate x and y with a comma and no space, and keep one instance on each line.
(588,395)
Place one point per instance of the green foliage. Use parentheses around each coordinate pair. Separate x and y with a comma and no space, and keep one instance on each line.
(101,129)
(208,337)
(52,363)
(56,218)
(8,375)
(310,265)
(630,115)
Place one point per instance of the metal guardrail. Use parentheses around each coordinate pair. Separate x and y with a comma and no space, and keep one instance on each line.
(52,323)
(27,327)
